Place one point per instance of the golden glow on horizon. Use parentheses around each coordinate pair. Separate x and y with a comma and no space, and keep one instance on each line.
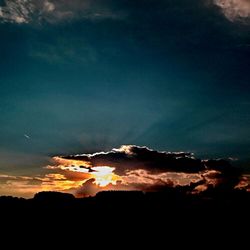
(103,175)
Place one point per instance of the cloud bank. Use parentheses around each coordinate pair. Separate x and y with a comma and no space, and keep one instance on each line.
(131,157)
(140,168)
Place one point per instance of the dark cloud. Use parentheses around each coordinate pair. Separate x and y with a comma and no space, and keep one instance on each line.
(134,157)
(141,168)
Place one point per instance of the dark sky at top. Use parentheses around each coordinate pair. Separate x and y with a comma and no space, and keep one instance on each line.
(80,76)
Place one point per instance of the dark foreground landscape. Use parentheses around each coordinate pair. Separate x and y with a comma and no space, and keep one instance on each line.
(171,216)
(167,205)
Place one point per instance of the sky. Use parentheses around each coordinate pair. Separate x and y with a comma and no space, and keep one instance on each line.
(86,76)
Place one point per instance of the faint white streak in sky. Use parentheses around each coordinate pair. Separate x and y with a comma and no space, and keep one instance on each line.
(27,136)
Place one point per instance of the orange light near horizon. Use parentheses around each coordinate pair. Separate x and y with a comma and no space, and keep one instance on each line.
(103,175)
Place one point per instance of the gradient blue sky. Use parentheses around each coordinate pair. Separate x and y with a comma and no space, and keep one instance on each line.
(80,76)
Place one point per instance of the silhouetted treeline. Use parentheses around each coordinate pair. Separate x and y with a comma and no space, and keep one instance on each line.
(174,201)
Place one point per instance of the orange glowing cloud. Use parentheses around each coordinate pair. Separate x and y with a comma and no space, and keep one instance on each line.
(132,167)
(71,165)
(129,167)
(103,175)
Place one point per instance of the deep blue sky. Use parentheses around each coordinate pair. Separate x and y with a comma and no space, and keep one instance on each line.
(80,76)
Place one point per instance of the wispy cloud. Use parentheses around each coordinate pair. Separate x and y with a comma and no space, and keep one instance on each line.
(54,11)
(37,11)
(61,51)
(18,11)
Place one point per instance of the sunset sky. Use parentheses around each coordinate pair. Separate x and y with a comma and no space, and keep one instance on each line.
(88,76)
